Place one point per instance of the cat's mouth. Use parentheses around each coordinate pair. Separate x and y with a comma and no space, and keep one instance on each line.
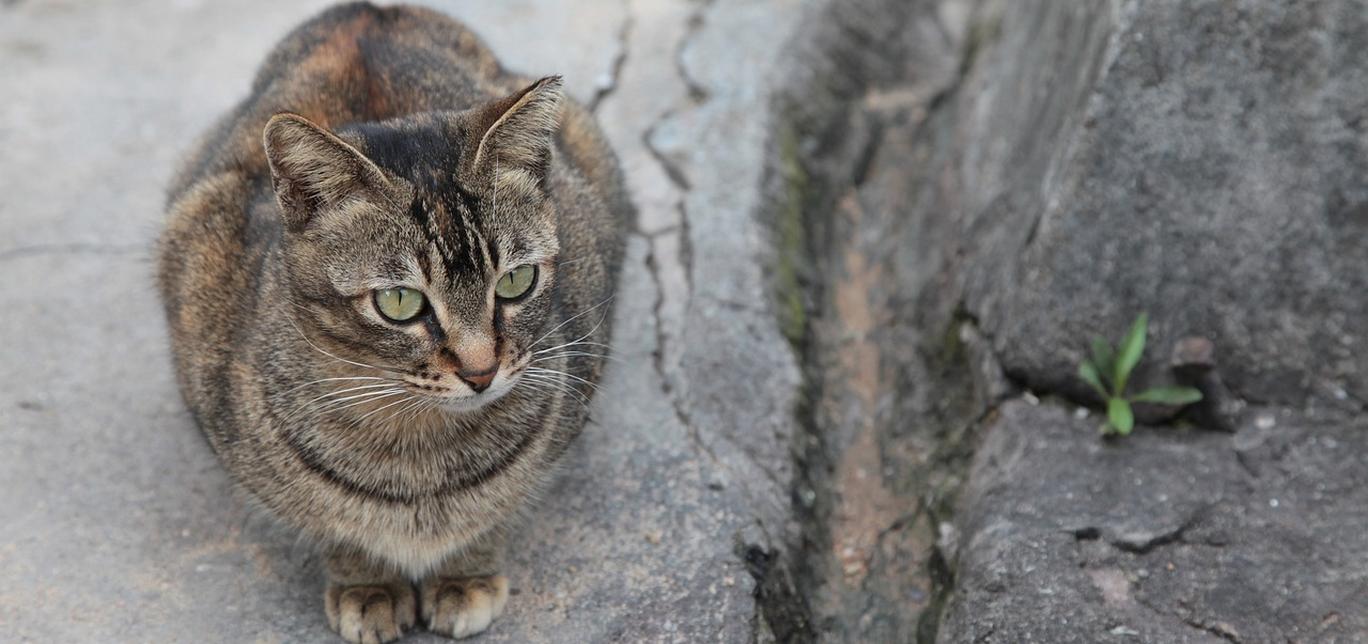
(466,401)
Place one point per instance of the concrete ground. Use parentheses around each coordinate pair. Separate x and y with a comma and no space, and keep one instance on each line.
(117,523)
(956,196)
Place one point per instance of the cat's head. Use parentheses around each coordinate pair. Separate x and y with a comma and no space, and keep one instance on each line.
(425,246)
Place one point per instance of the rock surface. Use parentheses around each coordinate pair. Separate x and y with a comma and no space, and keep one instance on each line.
(1170,536)
(1202,160)
(889,390)
(118,523)
(955,222)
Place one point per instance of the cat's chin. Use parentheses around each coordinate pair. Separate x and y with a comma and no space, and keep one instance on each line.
(466,405)
(471,404)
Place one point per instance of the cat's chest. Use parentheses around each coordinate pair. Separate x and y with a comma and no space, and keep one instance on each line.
(413,509)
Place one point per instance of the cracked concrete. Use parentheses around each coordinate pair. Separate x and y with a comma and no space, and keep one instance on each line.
(76,248)
(899,185)
(120,526)
(609,80)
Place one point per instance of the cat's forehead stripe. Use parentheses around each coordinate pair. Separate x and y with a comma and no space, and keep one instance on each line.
(420,211)
(469,207)
(452,227)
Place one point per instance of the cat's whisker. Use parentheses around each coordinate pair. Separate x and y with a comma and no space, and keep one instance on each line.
(399,414)
(581,347)
(546,378)
(358,399)
(353,389)
(564,376)
(568,262)
(322,380)
(572,319)
(334,357)
(333,398)
(322,411)
(420,405)
(573,354)
(551,385)
(544,370)
(373,412)
(341,396)
(363,395)
(569,345)
(579,339)
(565,389)
(552,379)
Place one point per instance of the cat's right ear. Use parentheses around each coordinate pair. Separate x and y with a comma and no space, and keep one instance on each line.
(313,170)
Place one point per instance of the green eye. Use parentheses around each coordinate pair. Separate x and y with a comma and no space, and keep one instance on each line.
(399,304)
(516,283)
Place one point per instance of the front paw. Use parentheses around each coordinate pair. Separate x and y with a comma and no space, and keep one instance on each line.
(370,614)
(463,606)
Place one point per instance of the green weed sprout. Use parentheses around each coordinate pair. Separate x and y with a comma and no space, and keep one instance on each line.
(1109,369)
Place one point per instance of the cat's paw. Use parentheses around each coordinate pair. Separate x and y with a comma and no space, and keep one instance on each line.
(464,606)
(370,614)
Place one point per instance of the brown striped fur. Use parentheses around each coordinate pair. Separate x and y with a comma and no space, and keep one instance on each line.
(382,147)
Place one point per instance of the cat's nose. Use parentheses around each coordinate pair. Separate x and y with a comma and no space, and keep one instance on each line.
(479,379)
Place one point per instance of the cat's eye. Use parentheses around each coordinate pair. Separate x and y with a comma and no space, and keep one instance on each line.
(399,304)
(516,283)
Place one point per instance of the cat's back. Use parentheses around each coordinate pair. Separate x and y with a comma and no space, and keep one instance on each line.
(351,63)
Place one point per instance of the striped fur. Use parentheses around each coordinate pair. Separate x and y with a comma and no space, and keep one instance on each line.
(377,148)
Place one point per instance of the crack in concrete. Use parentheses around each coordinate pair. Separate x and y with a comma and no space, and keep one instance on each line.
(686,247)
(73,248)
(680,180)
(624,36)
(1243,459)
(672,170)
(661,232)
(1219,630)
(658,355)
(779,604)
(697,92)
(1148,545)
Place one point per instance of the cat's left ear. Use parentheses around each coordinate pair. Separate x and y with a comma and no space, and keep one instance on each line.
(517,133)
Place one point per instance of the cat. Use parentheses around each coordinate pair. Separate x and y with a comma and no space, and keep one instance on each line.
(387,277)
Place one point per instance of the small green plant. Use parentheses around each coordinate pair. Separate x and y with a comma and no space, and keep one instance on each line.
(1109,369)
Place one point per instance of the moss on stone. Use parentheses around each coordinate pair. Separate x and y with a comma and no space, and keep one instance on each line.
(791,244)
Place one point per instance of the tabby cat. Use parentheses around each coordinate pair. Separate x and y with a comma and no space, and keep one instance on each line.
(387,275)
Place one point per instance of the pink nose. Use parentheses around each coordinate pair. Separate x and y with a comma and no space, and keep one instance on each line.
(478,379)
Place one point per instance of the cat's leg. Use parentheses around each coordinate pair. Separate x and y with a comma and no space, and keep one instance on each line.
(466,593)
(366,602)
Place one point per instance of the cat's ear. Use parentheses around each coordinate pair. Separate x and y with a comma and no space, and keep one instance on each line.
(517,132)
(313,170)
